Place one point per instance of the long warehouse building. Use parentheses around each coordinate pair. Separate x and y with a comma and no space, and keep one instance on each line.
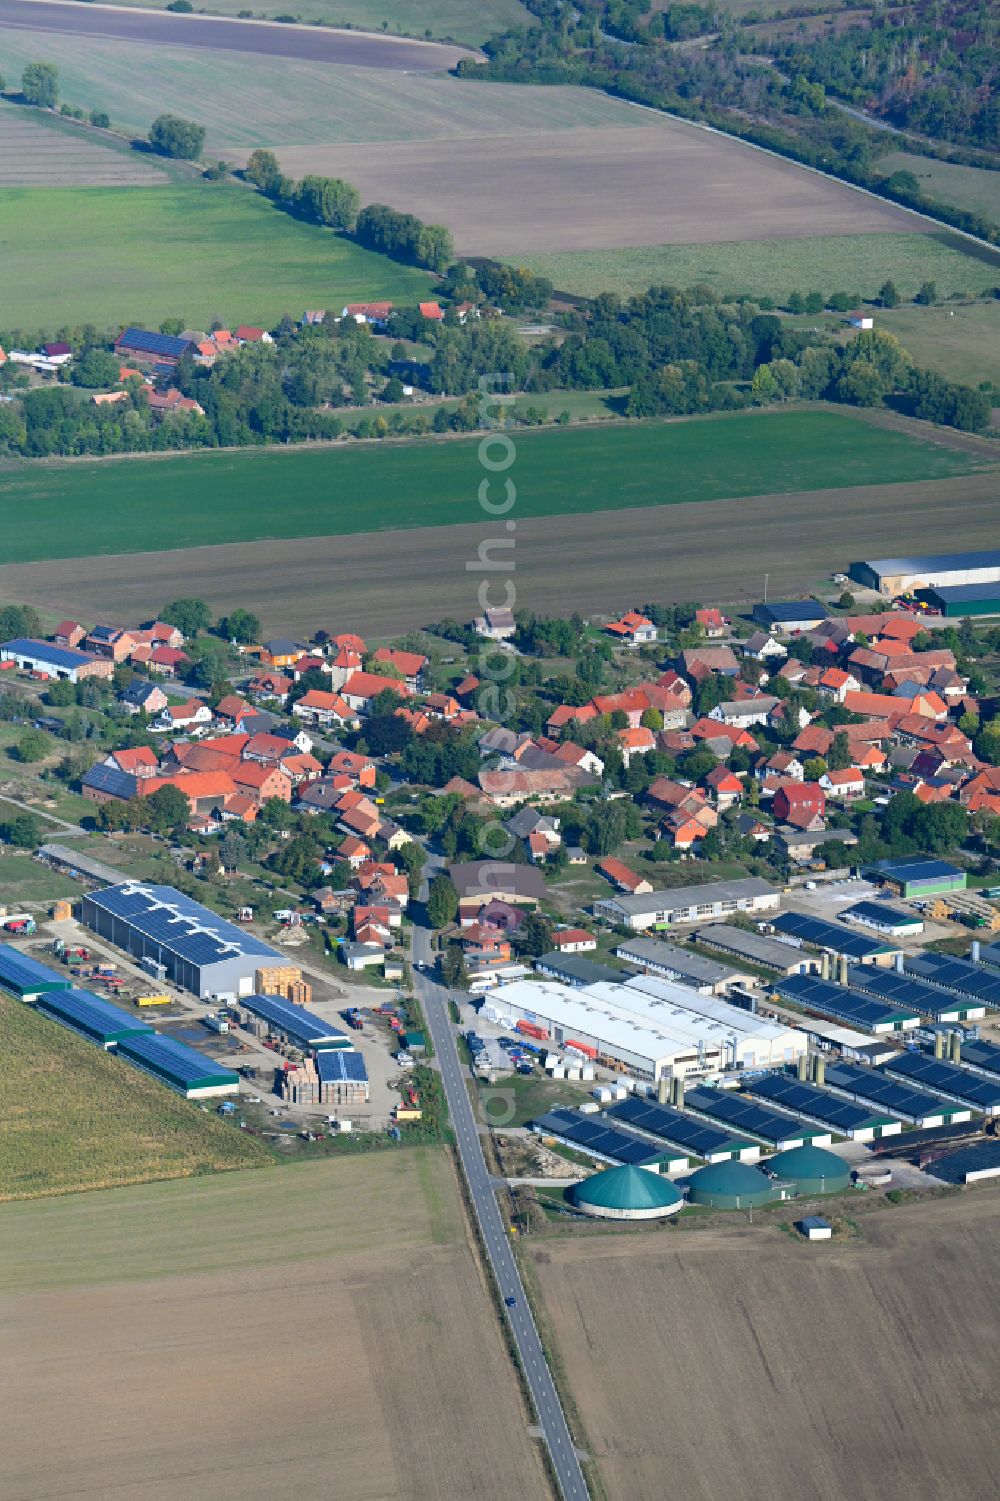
(199,950)
(891,576)
(648,1027)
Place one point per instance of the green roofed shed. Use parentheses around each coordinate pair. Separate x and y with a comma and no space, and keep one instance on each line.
(627,1193)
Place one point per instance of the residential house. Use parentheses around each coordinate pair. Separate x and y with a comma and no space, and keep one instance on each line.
(325,710)
(443,706)
(637,742)
(633,703)
(69,633)
(846,784)
(814,740)
(713,623)
(280,653)
(143,697)
(708,659)
(725,787)
(555,784)
(362,689)
(269,685)
(185,716)
(374,313)
(573,941)
(744,712)
(167,661)
(802,804)
(247,334)
(137,761)
(110,642)
(633,629)
(835,683)
(410,664)
(361,769)
(496,625)
(171,402)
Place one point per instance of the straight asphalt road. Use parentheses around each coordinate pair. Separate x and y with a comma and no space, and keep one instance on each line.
(551,1418)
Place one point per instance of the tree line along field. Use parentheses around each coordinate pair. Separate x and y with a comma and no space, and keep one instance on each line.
(976,189)
(961,343)
(337,1303)
(466,21)
(73,1117)
(195,500)
(854,263)
(743,1362)
(193,251)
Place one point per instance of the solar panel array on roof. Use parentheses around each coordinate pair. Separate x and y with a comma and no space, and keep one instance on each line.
(592,1134)
(696,1137)
(92,1015)
(901,990)
(145,342)
(834,1000)
(57,656)
(872,1085)
(745,1115)
(916,870)
(810,1101)
(880,913)
(179,924)
(984,1156)
(23,975)
(947,1079)
(959,975)
(340,1066)
(293,1019)
(110,779)
(828,935)
(176,1061)
(984,1055)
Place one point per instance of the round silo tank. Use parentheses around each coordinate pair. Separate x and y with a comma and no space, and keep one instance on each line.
(811,1170)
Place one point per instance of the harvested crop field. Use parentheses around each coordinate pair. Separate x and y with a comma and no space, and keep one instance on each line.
(661,182)
(199,499)
(383,583)
(38,151)
(744,1364)
(320,1330)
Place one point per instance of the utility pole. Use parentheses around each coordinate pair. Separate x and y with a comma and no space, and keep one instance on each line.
(766,577)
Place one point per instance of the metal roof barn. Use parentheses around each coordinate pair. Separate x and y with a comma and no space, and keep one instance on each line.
(966,599)
(921,877)
(875,1088)
(596,1138)
(184,1069)
(903,990)
(830,935)
(201,951)
(26,977)
(772,1126)
(92,1016)
(958,975)
(901,575)
(296,1023)
(814,1104)
(981,1057)
(948,1079)
(627,1193)
(883,918)
(695,1137)
(861,1011)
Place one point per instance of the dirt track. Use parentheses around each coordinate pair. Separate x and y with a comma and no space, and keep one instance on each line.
(312,43)
(743,1364)
(663,182)
(387,582)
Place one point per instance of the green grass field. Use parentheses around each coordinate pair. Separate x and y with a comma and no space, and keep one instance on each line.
(469,22)
(241,1220)
(195,252)
(858,264)
(23,879)
(151,505)
(973,188)
(293,103)
(73,1117)
(961,343)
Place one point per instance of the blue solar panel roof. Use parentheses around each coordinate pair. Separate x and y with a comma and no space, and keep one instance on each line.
(182,1063)
(694,1136)
(917,870)
(811,1101)
(746,1115)
(59,656)
(593,1133)
(295,1020)
(948,1078)
(870,1084)
(828,935)
(21,972)
(984,1055)
(145,342)
(182,925)
(959,975)
(92,1014)
(901,990)
(340,1066)
(879,912)
(834,1000)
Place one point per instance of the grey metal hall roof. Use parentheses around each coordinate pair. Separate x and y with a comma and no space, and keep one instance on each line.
(936,563)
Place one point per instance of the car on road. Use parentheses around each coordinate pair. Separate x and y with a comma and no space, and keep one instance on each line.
(511,1302)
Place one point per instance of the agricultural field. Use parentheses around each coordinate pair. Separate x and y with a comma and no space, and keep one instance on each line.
(73,1117)
(133,259)
(296,102)
(39,150)
(961,343)
(469,22)
(744,1363)
(128,1313)
(203,499)
(609,188)
(385,583)
(854,263)
(27,881)
(973,188)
